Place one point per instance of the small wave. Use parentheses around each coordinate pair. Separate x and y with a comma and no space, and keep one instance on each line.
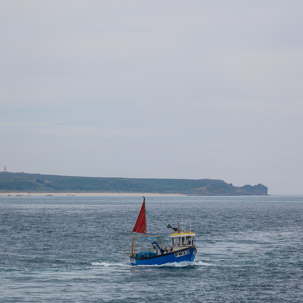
(108,264)
(201,263)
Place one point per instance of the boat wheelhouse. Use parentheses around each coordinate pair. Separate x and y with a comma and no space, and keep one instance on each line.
(147,249)
(180,239)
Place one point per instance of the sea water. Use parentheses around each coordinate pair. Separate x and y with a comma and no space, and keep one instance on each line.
(70,249)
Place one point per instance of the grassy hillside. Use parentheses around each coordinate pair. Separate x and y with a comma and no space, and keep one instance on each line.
(14,182)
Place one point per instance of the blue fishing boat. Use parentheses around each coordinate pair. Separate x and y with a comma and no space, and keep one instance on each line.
(148,249)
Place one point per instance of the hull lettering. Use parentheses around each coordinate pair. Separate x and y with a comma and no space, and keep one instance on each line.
(181,253)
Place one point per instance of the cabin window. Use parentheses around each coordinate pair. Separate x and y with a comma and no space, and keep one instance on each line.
(176,241)
(188,241)
(183,241)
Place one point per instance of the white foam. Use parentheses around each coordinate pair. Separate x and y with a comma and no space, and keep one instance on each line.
(108,264)
(182,264)
(176,264)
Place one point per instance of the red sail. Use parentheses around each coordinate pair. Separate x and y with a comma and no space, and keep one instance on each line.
(140,226)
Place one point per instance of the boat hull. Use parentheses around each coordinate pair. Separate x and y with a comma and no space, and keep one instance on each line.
(184,255)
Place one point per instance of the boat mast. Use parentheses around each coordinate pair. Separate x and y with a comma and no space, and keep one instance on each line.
(140,226)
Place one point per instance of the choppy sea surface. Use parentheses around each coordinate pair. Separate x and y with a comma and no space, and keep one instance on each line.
(70,249)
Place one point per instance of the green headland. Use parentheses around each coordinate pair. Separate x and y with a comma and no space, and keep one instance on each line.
(39,183)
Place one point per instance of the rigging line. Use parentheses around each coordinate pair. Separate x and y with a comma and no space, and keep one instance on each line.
(156,220)
(149,217)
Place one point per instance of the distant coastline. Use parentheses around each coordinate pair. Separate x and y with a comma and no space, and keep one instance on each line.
(40,184)
(26,194)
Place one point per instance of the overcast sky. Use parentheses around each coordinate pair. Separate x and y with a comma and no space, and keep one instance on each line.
(161,89)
